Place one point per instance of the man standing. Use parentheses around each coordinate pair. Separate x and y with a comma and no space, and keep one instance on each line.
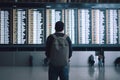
(58,52)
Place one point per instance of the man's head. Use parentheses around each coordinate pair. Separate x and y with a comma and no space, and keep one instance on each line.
(59,26)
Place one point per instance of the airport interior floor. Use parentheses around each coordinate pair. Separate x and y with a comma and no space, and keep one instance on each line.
(76,73)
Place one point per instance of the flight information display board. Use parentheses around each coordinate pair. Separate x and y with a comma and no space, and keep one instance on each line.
(65,15)
(98,26)
(36,26)
(20,26)
(4,26)
(84,28)
(28,26)
(112,26)
(86,24)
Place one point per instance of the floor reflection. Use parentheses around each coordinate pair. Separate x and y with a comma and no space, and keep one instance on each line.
(117,70)
(91,71)
(76,73)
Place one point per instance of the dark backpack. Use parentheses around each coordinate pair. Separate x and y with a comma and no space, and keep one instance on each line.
(59,51)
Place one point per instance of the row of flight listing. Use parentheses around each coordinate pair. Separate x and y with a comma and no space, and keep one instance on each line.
(83,26)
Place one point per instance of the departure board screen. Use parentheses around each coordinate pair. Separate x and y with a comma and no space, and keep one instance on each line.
(36,26)
(52,16)
(98,26)
(65,15)
(84,24)
(84,30)
(20,26)
(70,23)
(112,26)
(28,26)
(4,26)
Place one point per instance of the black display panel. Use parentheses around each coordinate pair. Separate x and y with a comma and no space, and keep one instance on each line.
(28,25)
(88,25)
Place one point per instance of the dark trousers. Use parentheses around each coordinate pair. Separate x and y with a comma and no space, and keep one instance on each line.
(61,72)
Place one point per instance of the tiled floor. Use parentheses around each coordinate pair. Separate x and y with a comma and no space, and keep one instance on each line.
(76,73)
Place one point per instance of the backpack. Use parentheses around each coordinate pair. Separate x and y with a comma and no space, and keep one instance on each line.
(59,51)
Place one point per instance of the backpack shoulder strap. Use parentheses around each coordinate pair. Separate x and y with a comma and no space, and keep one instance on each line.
(54,36)
(65,36)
